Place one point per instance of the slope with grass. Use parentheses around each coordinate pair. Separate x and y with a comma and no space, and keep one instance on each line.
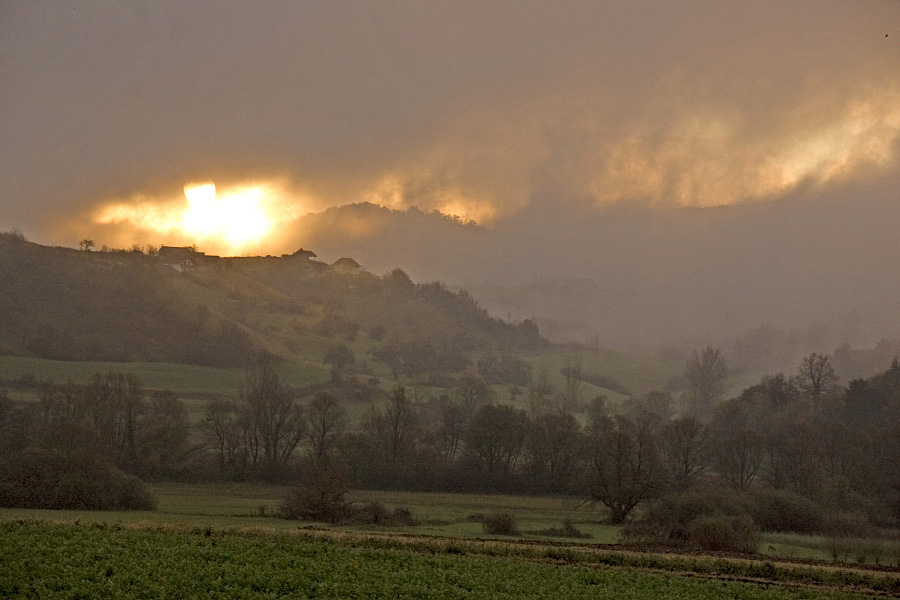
(64,304)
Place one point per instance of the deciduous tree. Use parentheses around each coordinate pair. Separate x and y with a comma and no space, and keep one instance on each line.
(273,422)
(816,378)
(706,372)
(325,421)
(625,463)
(686,450)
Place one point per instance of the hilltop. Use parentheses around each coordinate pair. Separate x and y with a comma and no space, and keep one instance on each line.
(182,306)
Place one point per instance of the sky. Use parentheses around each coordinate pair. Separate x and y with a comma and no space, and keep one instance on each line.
(533,119)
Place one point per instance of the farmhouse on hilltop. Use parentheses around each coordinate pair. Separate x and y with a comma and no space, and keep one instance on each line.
(346,266)
(184,258)
(304,254)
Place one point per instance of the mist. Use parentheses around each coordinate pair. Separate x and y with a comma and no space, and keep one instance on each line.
(636,277)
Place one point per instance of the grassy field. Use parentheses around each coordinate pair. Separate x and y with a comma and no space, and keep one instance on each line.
(637,373)
(239,505)
(98,560)
(194,384)
(188,380)
(255,506)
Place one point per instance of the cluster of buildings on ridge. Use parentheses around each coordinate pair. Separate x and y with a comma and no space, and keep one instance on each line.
(185,258)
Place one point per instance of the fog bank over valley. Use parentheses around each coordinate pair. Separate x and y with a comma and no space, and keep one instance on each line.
(633,277)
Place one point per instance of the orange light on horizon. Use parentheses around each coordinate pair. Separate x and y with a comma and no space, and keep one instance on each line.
(234,219)
(239,217)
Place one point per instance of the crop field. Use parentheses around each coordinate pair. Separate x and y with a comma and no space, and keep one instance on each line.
(96,560)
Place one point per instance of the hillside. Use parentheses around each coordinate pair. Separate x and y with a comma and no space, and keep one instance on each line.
(65,304)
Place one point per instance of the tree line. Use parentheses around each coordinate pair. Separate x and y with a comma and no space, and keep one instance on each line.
(807,435)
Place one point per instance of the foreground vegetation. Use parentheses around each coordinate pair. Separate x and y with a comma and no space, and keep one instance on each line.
(40,559)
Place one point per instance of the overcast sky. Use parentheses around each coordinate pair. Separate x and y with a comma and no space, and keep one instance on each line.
(591,139)
(476,108)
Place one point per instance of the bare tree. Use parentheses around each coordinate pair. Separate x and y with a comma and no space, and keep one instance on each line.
(540,395)
(325,421)
(473,392)
(706,372)
(391,435)
(495,437)
(738,448)
(738,458)
(554,443)
(795,459)
(686,450)
(573,382)
(401,421)
(164,436)
(273,421)
(451,428)
(816,378)
(625,462)
(221,431)
(114,402)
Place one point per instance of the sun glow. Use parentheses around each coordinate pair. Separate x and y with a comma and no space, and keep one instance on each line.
(230,220)
(239,217)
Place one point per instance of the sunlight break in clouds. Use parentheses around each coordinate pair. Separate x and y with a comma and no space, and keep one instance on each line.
(236,220)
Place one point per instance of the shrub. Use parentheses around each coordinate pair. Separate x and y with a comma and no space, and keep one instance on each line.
(134,495)
(568,530)
(500,524)
(42,478)
(703,519)
(320,497)
(777,510)
(375,513)
(377,331)
(722,533)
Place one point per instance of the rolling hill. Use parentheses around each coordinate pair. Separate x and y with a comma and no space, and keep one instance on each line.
(122,306)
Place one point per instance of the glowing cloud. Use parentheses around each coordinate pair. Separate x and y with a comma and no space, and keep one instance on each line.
(711,158)
(394,192)
(676,150)
(864,136)
(467,208)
